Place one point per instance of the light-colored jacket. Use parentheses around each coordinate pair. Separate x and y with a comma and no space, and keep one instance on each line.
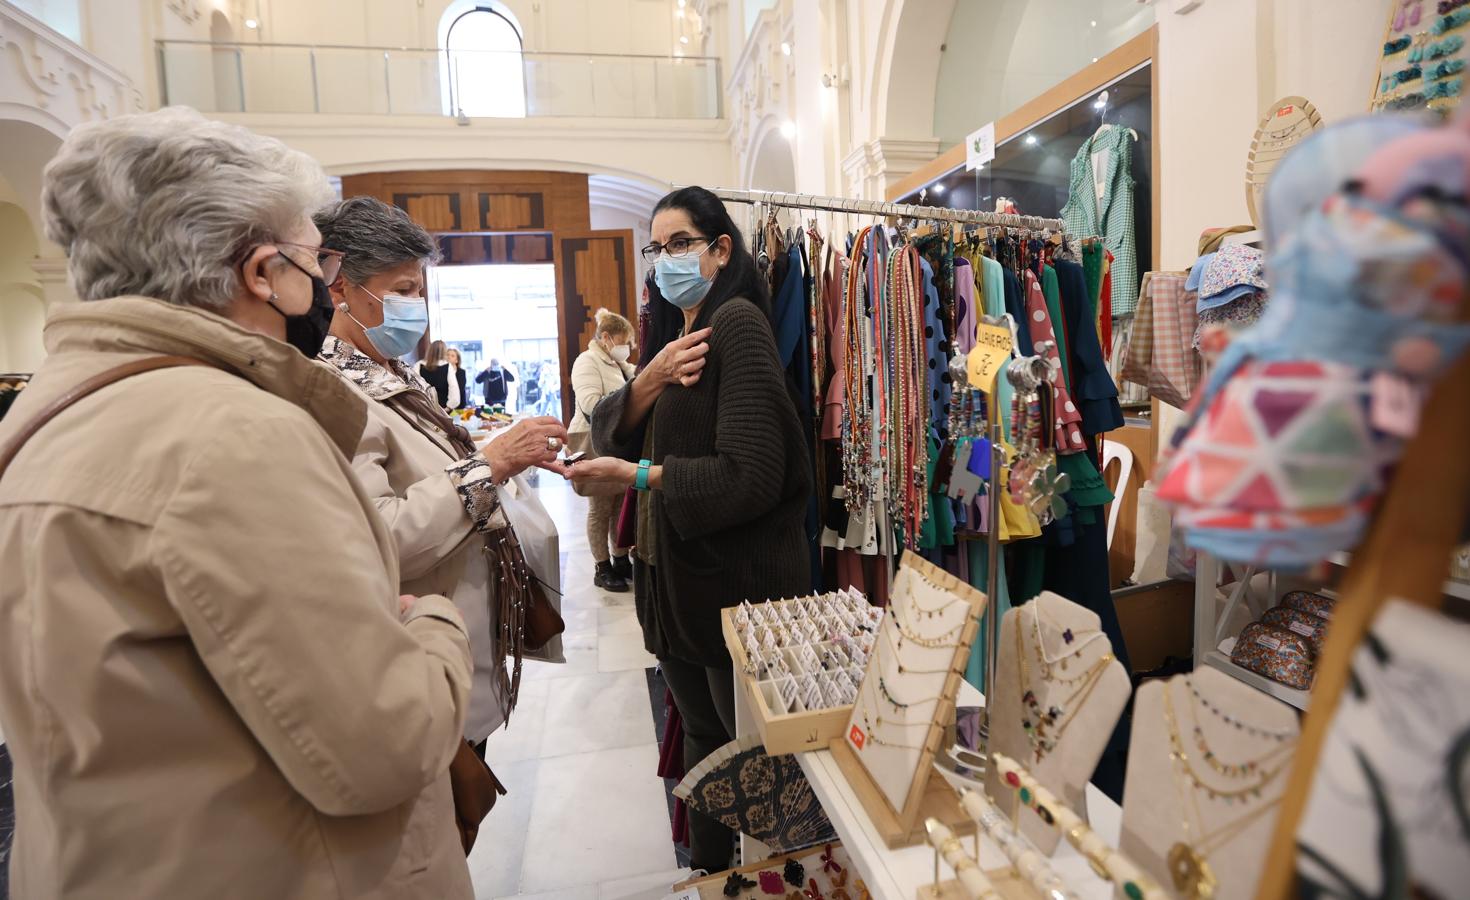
(595,374)
(438,508)
(204,683)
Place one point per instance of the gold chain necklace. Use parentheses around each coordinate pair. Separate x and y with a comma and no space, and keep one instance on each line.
(1189,864)
(1045,726)
(898,659)
(1229,795)
(1048,673)
(875,737)
(1068,638)
(943,640)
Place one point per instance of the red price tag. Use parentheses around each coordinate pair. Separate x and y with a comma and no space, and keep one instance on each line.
(857,737)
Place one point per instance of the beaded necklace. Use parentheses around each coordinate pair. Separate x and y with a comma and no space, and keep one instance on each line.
(1231,720)
(857,462)
(1045,725)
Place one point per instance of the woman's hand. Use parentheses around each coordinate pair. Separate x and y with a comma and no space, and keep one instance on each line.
(680,361)
(603,470)
(523,445)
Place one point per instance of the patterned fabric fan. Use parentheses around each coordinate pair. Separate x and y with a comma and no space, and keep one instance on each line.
(766,797)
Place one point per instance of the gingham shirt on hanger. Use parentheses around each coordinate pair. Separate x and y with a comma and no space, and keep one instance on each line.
(1110,218)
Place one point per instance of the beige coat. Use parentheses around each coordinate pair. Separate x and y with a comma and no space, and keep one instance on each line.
(595,374)
(427,497)
(204,683)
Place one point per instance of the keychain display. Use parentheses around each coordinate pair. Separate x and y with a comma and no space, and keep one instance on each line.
(1035,481)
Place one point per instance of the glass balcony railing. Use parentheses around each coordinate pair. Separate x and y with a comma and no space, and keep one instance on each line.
(300,78)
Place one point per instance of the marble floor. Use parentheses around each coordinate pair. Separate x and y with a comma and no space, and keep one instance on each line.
(586,816)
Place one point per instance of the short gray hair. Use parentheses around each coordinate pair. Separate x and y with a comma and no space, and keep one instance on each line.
(374,236)
(167,204)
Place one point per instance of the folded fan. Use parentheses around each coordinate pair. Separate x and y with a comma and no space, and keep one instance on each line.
(765,797)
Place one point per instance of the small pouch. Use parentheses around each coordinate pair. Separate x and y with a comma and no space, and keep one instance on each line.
(846,688)
(1280,655)
(1309,626)
(770,642)
(1308,602)
(858,654)
(759,613)
(742,615)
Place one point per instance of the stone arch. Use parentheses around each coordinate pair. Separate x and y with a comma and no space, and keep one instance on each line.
(771,165)
(905,75)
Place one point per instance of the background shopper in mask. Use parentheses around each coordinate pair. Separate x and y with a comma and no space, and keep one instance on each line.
(710,432)
(437,493)
(600,370)
(209,684)
(495,380)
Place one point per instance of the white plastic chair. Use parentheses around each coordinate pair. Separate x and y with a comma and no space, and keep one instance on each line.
(1115,450)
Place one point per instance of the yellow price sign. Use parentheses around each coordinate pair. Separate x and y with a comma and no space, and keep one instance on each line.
(992,349)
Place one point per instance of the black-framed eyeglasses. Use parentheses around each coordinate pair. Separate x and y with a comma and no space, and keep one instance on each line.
(676,248)
(329,261)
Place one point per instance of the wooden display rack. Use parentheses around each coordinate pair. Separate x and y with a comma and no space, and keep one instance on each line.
(781,732)
(928,796)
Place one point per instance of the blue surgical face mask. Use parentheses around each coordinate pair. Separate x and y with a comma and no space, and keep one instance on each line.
(405,319)
(680,280)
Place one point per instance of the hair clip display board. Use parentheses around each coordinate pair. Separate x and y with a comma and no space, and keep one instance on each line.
(907,700)
(1207,767)
(1059,693)
(1421,63)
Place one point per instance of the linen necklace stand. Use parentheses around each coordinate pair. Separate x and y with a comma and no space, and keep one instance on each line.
(1066,769)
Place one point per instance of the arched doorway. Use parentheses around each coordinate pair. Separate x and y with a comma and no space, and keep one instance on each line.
(772,166)
(225,60)
(23,156)
(22,302)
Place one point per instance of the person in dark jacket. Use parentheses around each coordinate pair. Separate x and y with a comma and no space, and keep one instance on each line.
(709,431)
(495,381)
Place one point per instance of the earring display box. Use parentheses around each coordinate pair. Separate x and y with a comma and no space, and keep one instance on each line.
(800,663)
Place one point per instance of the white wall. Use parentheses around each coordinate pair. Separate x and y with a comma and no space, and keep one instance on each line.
(1220,68)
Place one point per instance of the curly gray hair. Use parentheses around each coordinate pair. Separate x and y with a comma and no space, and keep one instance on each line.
(166,204)
(374,236)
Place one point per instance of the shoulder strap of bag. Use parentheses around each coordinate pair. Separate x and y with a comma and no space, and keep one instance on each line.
(86,388)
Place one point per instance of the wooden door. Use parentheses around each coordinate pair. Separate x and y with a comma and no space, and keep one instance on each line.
(594,269)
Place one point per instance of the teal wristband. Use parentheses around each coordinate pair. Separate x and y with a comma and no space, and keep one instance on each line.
(640,481)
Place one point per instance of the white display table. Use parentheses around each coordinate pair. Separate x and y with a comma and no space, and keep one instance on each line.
(898,874)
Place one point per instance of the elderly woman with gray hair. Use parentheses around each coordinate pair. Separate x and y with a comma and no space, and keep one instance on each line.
(209,683)
(439,494)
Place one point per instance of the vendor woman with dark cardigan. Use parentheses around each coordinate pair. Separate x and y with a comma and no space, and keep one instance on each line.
(708,432)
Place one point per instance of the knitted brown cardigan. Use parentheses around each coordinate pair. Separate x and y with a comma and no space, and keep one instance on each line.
(730,515)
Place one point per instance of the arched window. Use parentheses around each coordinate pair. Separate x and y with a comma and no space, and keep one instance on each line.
(484,76)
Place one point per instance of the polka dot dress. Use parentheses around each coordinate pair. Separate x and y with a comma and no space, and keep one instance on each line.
(1068,421)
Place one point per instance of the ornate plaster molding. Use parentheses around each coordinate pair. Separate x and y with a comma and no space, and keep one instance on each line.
(57,76)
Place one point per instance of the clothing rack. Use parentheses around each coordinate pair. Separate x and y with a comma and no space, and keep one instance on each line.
(881,208)
(932,213)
